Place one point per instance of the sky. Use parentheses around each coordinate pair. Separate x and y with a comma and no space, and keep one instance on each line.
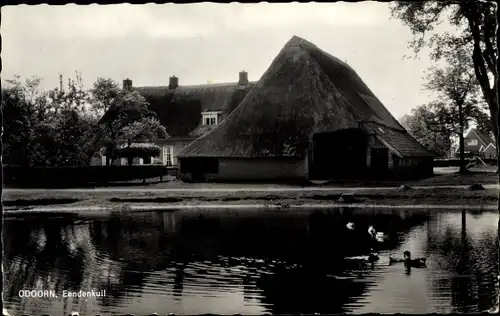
(205,42)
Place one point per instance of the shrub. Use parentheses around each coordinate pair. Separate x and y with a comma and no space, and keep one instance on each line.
(79,176)
(138,151)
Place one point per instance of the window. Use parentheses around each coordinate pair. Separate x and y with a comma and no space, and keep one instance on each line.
(168,155)
(146,161)
(472,142)
(210,118)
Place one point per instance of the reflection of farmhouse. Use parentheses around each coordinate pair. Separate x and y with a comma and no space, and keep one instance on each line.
(310,116)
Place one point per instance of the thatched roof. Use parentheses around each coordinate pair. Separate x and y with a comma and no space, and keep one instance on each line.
(402,142)
(304,91)
(179,109)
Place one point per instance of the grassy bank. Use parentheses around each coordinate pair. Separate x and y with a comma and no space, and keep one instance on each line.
(20,200)
(243,194)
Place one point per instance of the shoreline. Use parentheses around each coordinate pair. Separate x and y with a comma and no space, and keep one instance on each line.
(246,188)
(148,208)
(250,196)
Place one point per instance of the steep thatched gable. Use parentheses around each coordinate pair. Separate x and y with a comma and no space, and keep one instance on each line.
(304,91)
(179,109)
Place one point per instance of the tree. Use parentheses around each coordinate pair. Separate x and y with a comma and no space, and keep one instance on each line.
(417,124)
(28,129)
(62,127)
(474,25)
(483,122)
(103,94)
(74,122)
(47,128)
(458,97)
(128,118)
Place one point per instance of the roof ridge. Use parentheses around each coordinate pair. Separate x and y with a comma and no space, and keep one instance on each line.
(206,85)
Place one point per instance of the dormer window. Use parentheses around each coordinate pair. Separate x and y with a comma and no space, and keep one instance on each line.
(210,118)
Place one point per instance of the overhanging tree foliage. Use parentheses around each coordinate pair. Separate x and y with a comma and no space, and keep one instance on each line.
(474,25)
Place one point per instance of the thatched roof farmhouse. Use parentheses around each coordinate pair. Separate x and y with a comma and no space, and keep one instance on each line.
(309,116)
(189,111)
(180,107)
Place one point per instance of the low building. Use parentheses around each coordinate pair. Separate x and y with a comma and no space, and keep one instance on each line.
(477,144)
(309,117)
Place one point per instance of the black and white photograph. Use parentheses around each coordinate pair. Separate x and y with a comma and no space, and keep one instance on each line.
(257,158)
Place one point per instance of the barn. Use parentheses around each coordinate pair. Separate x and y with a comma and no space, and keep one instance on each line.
(309,117)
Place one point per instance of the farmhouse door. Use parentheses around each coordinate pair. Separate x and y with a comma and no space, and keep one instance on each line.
(337,155)
(396,162)
(380,160)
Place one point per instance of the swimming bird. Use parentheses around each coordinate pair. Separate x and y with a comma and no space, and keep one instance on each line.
(350,226)
(380,236)
(371,258)
(409,262)
(372,231)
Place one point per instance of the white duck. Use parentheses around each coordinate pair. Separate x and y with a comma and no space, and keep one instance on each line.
(379,236)
(372,231)
(350,226)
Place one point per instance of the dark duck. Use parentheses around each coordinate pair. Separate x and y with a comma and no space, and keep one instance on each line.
(409,262)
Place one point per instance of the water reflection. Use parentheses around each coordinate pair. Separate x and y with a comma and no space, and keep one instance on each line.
(251,262)
(467,244)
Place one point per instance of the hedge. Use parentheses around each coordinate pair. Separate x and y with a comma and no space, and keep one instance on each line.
(78,176)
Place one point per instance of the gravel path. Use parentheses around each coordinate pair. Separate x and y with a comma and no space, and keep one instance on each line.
(259,188)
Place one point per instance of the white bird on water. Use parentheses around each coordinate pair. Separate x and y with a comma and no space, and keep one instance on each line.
(371,230)
(379,236)
(350,226)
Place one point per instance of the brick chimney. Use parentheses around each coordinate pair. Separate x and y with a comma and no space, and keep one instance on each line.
(243,78)
(127,84)
(173,83)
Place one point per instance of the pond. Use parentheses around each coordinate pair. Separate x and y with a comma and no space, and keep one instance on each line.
(250,262)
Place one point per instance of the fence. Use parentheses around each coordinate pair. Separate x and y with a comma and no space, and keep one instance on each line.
(80,176)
